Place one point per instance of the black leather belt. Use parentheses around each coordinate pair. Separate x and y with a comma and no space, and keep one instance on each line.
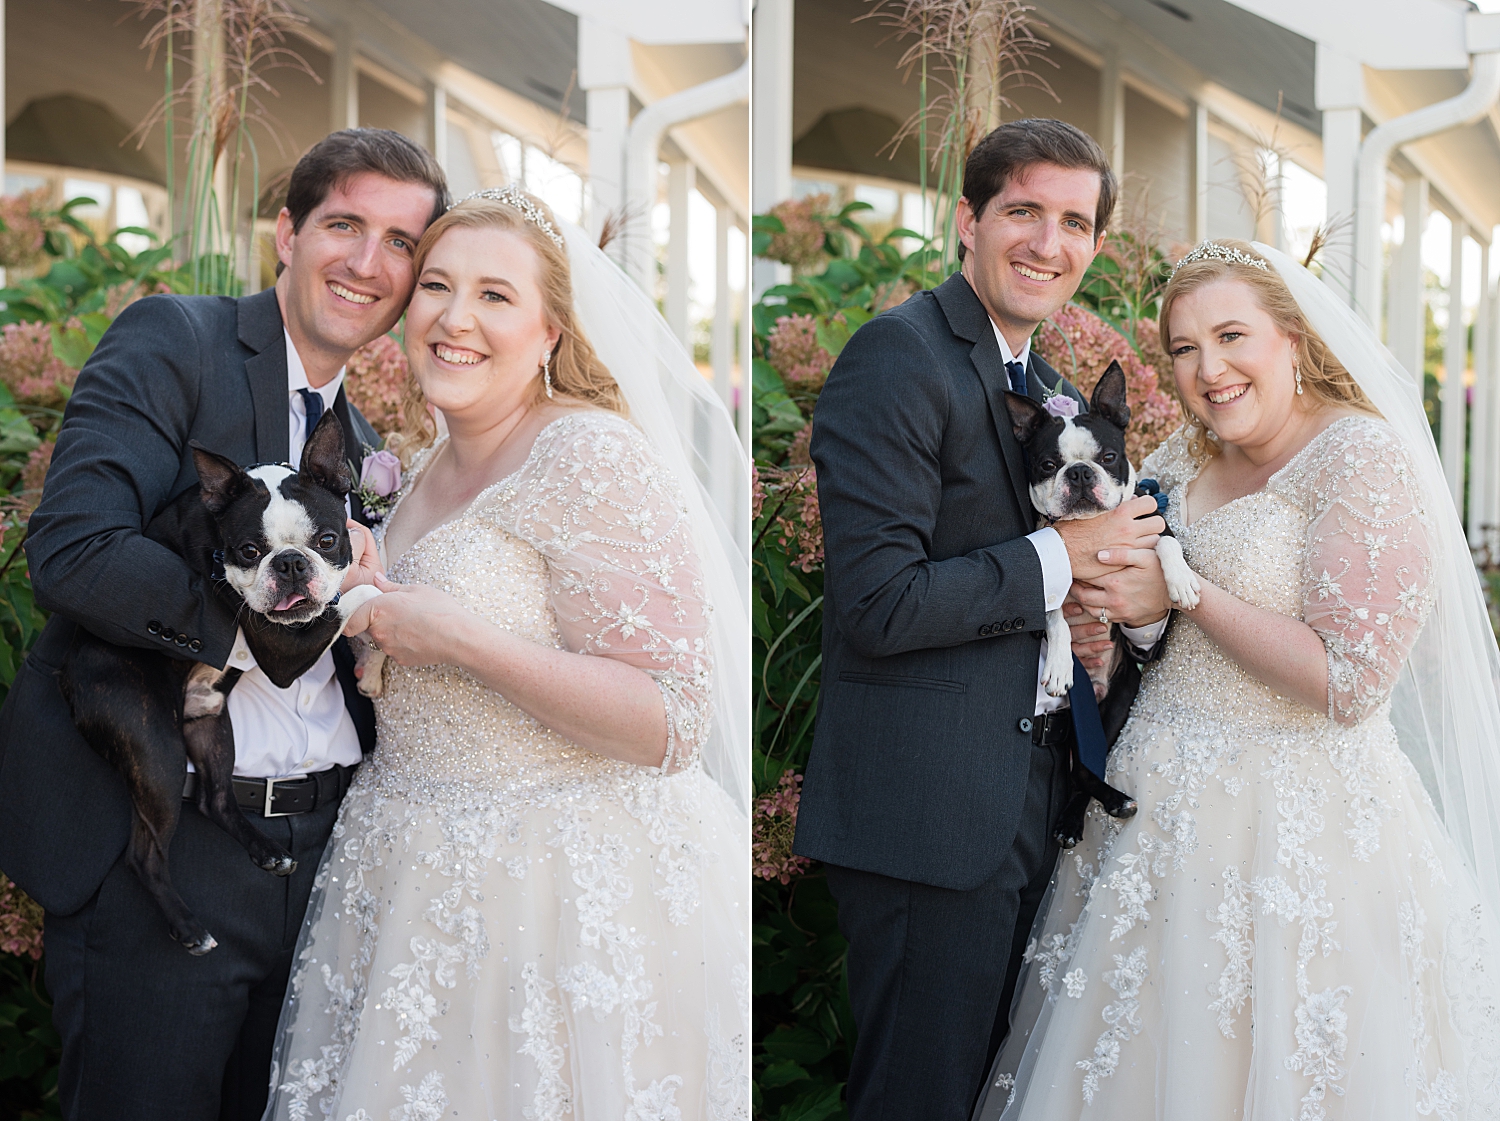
(282,797)
(1052,728)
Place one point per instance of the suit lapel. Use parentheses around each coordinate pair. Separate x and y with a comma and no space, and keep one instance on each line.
(260,329)
(970,322)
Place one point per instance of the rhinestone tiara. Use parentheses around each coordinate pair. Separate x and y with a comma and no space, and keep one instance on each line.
(517,199)
(1213,251)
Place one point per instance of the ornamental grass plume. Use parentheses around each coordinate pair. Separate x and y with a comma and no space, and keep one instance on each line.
(793,351)
(773,824)
(28,367)
(1080,346)
(375,382)
(800,245)
(25,221)
(20,922)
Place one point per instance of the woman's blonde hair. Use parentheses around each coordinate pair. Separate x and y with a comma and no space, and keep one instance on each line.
(1324,377)
(577,374)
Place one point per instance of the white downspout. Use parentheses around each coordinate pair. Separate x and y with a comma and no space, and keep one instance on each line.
(1483,42)
(646,132)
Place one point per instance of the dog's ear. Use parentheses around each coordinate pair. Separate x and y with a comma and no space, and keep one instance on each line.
(220,480)
(1026,416)
(1108,399)
(323,456)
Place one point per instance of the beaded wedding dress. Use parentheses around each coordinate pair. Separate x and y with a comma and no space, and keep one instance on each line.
(507,925)
(1285,931)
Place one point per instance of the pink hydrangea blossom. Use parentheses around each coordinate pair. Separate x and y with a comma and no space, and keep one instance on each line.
(375,383)
(773,824)
(20,922)
(793,495)
(24,217)
(793,350)
(28,367)
(801,245)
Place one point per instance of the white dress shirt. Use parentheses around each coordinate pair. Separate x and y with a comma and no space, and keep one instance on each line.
(304,727)
(1057,570)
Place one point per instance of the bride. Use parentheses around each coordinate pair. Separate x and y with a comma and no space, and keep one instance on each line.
(1300,921)
(534,901)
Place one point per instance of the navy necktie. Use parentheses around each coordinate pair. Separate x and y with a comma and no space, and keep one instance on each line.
(313,402)
(1017,374)
(1088,726)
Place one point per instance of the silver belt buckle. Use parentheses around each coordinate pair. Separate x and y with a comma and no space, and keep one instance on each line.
(265,811)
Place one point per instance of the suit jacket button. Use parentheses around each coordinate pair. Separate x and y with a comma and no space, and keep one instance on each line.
(167,635)
(1018,624)
(153,627)
(1025,724)
(984,631)
(181,640)
(195,646)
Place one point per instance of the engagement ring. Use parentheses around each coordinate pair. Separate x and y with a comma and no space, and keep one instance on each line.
(1104,617)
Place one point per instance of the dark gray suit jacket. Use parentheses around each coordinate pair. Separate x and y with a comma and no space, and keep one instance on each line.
(933,606)
(170,369)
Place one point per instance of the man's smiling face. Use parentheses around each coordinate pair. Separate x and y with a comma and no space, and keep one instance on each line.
(1027,253)
(348,269)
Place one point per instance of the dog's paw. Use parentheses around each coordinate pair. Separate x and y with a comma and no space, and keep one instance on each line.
(371,671)
(1124,811)
(280,865)
(1184,588)
(1057,680)
(200,945)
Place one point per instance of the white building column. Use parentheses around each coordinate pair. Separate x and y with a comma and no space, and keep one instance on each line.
(771,42)
(1481,434)
(1197,131)
(1112,111)
(721,345)
(1489,519)
(436,123)
(1339,87)
(1455,358)
(1407,311)
(680,183)
(343,86)
(604,74)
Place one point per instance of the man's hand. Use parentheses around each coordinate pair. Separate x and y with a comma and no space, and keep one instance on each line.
(366,563)
(1134,593)
(1124,528)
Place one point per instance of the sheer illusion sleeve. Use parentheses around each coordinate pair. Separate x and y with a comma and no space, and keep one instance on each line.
(626,583)
(1367,572)
(1170,463)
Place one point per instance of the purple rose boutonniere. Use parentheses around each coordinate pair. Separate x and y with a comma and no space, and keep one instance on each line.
(1061,406)
(379,480)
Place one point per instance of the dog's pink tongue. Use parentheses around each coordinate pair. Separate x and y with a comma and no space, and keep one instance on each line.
(290,602)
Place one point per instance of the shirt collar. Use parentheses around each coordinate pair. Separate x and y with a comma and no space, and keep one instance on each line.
(296,376)
(1024,357)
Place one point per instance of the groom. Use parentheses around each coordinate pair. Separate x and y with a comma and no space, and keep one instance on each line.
(147,1030)
(938,766)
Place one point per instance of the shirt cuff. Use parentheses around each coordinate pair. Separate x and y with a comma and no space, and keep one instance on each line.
(1057,570)
(1144,638)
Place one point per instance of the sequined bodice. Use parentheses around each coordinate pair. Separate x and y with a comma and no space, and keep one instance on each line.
(1337,539)
(590,527)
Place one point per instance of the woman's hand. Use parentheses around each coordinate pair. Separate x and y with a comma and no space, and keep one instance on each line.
(1134,593)
(366,563)
(1092,641)
(413,624)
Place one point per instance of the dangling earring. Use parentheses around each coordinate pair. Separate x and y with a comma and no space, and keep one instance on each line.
(547,373)
(1297,369)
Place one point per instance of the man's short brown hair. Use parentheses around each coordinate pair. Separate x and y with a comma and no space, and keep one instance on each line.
(1017,145)
(340,156)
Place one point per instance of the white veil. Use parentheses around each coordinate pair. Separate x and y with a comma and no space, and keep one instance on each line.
(1446,706)
(692,430)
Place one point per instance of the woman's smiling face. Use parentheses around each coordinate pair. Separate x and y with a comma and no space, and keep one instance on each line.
(477,327)
(1232,363)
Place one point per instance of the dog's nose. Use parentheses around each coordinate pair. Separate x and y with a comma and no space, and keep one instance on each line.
(290,564)
(1079,474)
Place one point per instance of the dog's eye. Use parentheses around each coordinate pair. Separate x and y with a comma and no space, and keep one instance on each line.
(1107,457)
(249,552)
(327,541)
(1047,466)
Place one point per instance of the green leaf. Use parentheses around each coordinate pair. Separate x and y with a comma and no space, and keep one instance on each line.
(815,1105)
(781,1073)
(798,1044)
(72,345)
(17,436)
(94,326)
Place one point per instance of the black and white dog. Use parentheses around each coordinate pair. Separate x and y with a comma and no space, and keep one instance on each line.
(273,544)
(1077,468)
